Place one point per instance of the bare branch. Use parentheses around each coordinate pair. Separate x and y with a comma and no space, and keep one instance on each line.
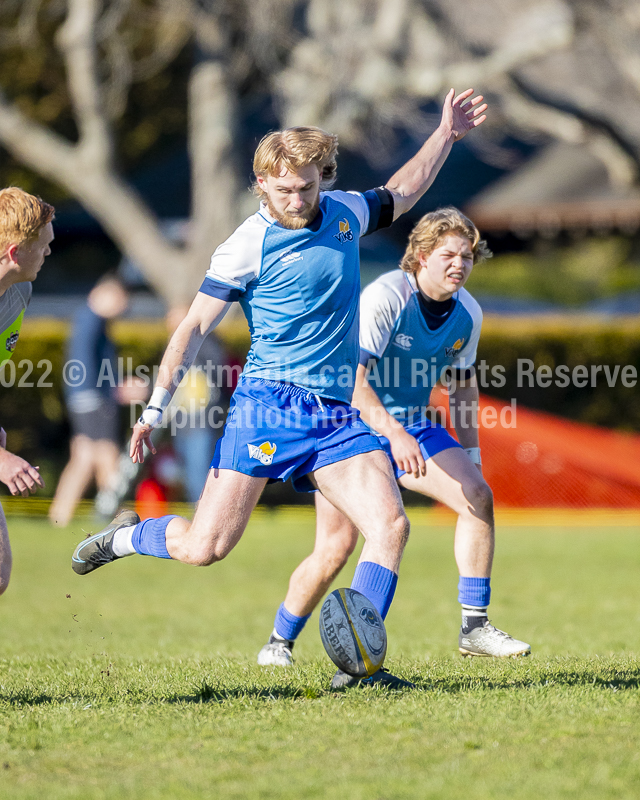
(25,30)
(170,30)
(213,168)
(108,24)
(76,39)
(44,151)
(524,112)
(116,90)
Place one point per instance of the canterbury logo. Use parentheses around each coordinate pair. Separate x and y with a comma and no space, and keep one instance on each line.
(289,258)
(345,233)
(403,341)
(263,452)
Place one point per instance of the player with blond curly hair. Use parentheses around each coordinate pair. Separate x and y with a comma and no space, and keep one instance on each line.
(26,233)
(294,268)
(418,326)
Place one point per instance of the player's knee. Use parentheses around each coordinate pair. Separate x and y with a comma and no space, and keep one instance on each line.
(349,545)
(334,559)
(344,544)
(480,499)
(205,558)
(398,532)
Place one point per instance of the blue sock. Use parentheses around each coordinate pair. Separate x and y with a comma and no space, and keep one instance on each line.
(149,537)
(474,591)
(287,625)
(376,583)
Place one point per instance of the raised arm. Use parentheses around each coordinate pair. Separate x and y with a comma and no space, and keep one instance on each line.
(459,116)
(203,316)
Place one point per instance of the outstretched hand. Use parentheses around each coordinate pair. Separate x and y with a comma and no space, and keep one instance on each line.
(460,115)
(141,435)
(16,473)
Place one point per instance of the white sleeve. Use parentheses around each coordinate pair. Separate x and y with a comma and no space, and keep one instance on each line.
(467,356)
(356,203)
(238,260)
(379,311)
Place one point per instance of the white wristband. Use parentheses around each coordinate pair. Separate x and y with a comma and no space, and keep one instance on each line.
(152,415)
(160,398)
(474,454)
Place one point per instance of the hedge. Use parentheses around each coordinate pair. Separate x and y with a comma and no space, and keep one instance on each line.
(35,419)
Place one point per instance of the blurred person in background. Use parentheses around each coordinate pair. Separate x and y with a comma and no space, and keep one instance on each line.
(93,402)
(26,233)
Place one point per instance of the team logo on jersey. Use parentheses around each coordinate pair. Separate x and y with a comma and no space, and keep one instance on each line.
(12,341)
(263,452)
(403,341)
(345,234)
(452,352)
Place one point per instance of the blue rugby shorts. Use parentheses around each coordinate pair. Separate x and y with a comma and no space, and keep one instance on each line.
(279,431)
(432,438)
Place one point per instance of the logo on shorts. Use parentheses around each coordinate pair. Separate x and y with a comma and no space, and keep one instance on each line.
(263,452)
(12,341)
(452,352)
(345,234)
(403,341)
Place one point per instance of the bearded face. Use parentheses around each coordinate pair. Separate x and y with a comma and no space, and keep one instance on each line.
(293,198)
(295,220)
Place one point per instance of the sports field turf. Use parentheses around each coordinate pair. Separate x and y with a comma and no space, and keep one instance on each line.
(139,681)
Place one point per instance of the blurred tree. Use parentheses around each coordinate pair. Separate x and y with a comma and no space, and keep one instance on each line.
(89,87)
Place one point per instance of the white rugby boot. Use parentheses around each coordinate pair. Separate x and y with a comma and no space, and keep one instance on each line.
(276,653)
(486,640)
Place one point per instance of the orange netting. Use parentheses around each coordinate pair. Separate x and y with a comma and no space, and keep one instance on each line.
(534,459)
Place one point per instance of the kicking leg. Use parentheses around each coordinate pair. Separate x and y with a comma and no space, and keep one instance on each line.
(220,519)
(336,539)
(221,516)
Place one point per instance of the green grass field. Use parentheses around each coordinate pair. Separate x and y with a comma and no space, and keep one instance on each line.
(139,681)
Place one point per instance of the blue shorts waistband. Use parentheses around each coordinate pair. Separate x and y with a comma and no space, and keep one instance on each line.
(291,389)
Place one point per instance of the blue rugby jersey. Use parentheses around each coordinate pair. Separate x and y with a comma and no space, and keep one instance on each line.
(299,290)
(410,356)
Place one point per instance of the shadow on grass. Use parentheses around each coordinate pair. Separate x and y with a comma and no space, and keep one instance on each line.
(205,693)
(608,679)
(625,680)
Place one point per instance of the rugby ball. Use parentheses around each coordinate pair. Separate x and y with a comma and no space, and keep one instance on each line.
(353,633)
